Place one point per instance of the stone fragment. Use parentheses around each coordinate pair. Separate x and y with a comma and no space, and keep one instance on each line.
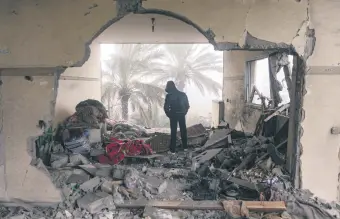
(157,213)
(104,171)
(78,178)
(90,185)
(277,171)
(147,194)
(130,178)
(95,202)
(117,197)
(59,215)
(285,215)
(89,168)
(59,160)
(78,159)
(144,169)
(107,186)
(162,187)
(118,173)
(68,214)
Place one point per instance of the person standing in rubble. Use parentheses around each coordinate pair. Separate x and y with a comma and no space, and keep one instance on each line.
(176,107)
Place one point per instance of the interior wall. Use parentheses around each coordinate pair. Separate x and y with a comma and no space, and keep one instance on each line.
(59,41)
(23,104)
(166,30)
(238,113)
(38,26)
(78,84)
(321,150)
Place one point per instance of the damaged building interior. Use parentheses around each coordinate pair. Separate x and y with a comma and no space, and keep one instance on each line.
(273,151)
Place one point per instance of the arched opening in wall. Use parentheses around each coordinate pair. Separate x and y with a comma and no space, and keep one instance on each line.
(143,36)
(157,48)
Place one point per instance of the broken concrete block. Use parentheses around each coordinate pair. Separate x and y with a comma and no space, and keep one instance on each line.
(107,186)
(95,202)
(78,178)
(57,156)
(117,197)
(68,214)
(59,160)
(104,171)
(147,194)
(104,215)
(156,213)
(162,187)
(90,185)
(59,215)
(78,159)
(118,173)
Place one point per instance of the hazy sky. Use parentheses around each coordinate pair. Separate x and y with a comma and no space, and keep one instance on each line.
(200,105)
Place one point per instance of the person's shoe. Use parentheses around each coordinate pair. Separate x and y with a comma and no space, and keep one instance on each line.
(172,150)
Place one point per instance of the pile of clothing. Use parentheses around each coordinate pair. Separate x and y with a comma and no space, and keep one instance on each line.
(89,113)
(117,149)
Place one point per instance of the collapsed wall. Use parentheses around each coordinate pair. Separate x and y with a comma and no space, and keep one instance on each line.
(23,103)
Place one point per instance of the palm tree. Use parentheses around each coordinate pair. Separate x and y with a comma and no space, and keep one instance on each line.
(190,64)
(123,79)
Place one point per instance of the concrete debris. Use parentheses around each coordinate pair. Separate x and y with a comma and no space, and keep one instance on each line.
(118,173)
(107,186)
(162,187)
(78,159)
(157,213)
(91,184)
(130,178)
(95,202)
(117,197)
(228,165)
(59,160)
(78,178)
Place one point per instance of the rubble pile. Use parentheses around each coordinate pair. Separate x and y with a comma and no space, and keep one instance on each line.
(225,174)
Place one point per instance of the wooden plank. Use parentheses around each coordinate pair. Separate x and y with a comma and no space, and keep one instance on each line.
(265,206)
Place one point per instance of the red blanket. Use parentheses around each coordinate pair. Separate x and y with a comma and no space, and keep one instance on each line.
(117,149)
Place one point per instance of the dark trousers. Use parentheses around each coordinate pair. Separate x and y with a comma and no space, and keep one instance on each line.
(180,119)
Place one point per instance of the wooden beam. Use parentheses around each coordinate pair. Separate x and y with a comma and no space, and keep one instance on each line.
(265,206)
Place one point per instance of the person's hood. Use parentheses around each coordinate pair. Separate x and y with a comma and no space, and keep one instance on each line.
(170,87)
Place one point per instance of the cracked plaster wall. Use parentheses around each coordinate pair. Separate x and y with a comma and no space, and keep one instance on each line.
(53,33)
(23,104)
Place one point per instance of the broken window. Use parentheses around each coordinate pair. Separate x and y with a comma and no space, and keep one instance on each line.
(259,82)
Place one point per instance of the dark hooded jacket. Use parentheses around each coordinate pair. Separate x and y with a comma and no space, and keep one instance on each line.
(176,102)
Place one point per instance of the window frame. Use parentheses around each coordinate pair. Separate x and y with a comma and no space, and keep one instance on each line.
(248,76)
